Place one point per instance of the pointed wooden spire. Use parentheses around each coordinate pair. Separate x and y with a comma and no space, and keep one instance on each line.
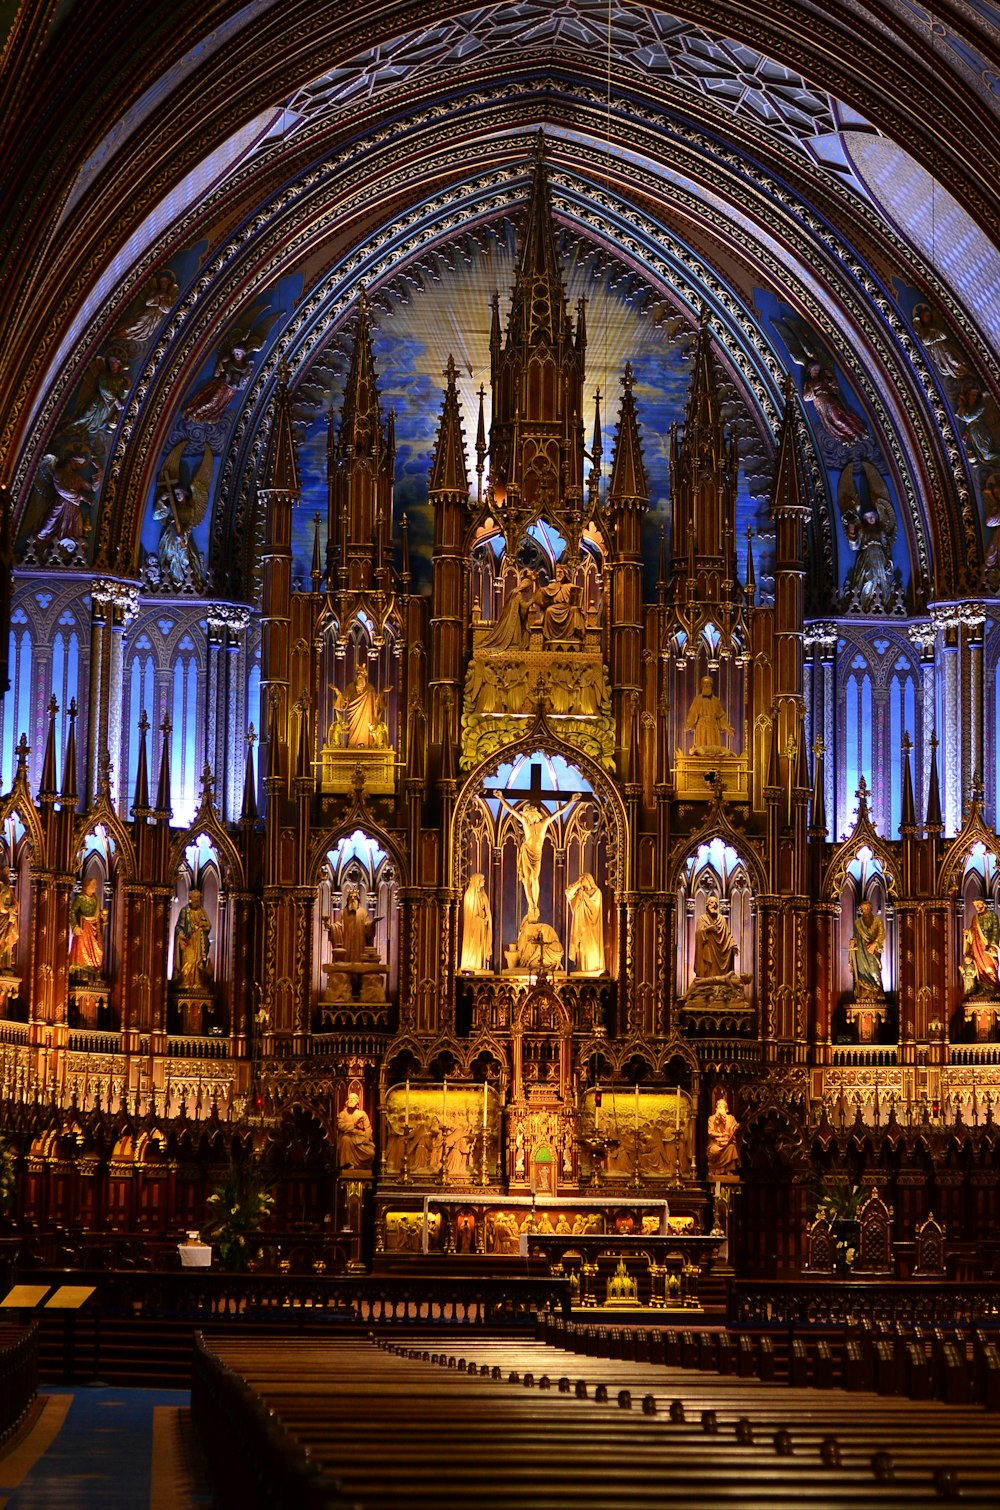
(70,793)
(628,474)
(404,537)
(751,580)
(702,419)
(773,766)
(538,304)
(934,823)
(275,771)
(662,577)
(303,769)
(596,457)
(248,812)
(163,808)
(447,746)
(818,828)
(787,490)
(281,469)
(317,569)
(480,445)
(361,417)
(48,791)
(908,813)
(140,800)
(449,471)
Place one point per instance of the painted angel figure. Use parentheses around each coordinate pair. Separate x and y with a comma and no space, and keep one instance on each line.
(819,381)
(937,342)
(870,526)
(233,365)
(181,502)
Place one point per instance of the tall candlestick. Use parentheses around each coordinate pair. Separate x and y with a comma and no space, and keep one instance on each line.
(486,1092)
(677,1111)
(637,1108)
(406,1105)
(444,1099)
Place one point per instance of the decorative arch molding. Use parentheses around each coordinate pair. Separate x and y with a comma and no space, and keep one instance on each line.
(358,818)
(718,825)
(862,835)
(540,737)
(104,815)
(20,804)
(973,831)
(206,822)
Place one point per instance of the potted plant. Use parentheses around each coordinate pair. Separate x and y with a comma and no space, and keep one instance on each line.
(236,1208)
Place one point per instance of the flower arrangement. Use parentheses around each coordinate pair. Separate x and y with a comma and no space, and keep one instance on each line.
(840,1205)
(235,1209)
(8,1175)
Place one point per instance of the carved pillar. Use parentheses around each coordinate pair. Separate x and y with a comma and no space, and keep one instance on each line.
(923,638)
(226,632)
(945,619)
(113,605)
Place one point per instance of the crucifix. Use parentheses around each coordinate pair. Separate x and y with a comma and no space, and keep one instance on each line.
(535,821)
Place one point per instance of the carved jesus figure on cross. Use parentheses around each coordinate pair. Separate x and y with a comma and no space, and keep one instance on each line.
(535,824)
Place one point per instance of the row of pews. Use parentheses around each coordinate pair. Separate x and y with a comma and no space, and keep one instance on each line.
(498,1421)
(889,1358)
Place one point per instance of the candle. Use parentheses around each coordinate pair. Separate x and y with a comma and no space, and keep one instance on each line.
(532,1179)
(597,1110)
(486,1093)
(718,1188)
(406,1109)
(444,1099)
(637,1108)
(677,1111)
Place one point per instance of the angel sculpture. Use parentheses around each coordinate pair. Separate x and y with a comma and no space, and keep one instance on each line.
(872,583)
(233,364)
(819,381)
(160,297)
(68,479)
(105,399)
(937,342)
(181,505)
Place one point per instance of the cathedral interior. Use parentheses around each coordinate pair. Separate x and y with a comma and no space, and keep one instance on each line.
(501,537)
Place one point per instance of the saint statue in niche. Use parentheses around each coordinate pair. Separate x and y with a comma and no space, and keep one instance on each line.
(192,968)
(355,1145)
(10,930)
(715,948)
(361,715)
(87,919)
(708,721)
(477,930)
(865,954)
(981,952)
(562,618)
(535,824)
(351,933)
(510,632)
(723,1154)
(586,939)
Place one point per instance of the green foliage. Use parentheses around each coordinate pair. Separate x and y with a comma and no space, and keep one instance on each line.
(8,1175)
(235,1209)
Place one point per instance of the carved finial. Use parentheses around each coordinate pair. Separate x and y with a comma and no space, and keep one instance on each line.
(251,735)
(23,751)
(819,748)
(166,727)
(207,783)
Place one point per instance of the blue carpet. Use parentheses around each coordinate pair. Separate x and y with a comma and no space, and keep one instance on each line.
(101,1458)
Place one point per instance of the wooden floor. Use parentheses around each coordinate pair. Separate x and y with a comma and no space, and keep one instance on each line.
(496,1422)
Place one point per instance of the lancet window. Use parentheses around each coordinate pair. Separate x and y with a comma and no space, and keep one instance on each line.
(15,716)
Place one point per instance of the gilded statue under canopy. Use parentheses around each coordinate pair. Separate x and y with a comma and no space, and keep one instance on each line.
(716,981)
(586,939)
(359,715)
(477,927)
(544,649)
